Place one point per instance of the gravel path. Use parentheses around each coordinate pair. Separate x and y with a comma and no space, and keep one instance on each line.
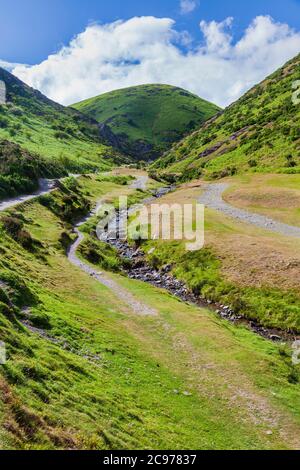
(46,186)
(123,294)
(140,183)
(212,197)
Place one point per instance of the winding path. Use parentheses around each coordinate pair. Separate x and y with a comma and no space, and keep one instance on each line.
(123,294)
(212,198)
(46,186)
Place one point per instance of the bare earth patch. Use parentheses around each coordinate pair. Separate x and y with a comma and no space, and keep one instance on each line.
(276,196)
(250,256)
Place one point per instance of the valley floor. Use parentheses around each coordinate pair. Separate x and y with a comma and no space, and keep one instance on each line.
(88,370)
(213,198)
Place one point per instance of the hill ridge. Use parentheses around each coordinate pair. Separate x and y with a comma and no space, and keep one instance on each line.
(145,120)
(258,132)
(40,137)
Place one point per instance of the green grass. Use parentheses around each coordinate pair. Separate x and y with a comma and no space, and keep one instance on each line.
(97,376)
(276,196)
(60,135)
(145,120)
(201,271)
(20,170)
(267,139)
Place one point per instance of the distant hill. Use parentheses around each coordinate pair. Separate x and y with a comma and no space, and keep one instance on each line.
(43,127)
(260,132)
(144,121)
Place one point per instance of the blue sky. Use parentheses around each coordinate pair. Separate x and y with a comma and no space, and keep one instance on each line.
(74,49)
(32,29)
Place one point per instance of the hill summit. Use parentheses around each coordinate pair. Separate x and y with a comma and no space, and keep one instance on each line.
(144,121)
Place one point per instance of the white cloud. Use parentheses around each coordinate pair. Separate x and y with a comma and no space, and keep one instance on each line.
(218,40)
(149,50)
(8,66)
(187,6)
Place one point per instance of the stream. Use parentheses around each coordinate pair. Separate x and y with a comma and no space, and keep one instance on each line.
(163,278)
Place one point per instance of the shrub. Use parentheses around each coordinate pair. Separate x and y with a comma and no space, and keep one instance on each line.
(14,227)
(61,135)
(252,163)
(3,122)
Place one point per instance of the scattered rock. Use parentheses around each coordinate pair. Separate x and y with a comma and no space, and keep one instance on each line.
(275,338)
(140,270)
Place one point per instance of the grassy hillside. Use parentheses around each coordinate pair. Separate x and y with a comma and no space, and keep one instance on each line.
(260,132)
(84,373)
(45,128)
(144,121)
(20,170)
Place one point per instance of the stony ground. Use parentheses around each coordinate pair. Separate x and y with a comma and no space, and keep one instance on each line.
(212,198)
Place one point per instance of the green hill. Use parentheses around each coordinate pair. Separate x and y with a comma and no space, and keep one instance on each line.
(260,132)
(144,121)
(46,130)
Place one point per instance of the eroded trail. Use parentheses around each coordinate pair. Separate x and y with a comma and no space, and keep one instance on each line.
(212,198)
(46,186)
(124,295)
(137,307)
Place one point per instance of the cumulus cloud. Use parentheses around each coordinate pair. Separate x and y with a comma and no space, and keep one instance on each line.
(8,65)
(218,40)
(151,50)
(187,6)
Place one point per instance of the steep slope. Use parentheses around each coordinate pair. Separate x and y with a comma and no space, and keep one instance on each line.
(260,132)
(48,129)
(144,121)
(21,170)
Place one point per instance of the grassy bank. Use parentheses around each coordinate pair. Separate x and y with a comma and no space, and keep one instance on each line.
(84,372)
(201,271)
(252,270)
(20,170)
(40,137)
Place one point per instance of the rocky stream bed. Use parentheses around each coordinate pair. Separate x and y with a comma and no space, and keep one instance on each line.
(141,270)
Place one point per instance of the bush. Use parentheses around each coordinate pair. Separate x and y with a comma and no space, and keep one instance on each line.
(252,163)
(19,293)
(61,135)
(3,122)
(14,227)
(20,170)
(65,240)
(101,254)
